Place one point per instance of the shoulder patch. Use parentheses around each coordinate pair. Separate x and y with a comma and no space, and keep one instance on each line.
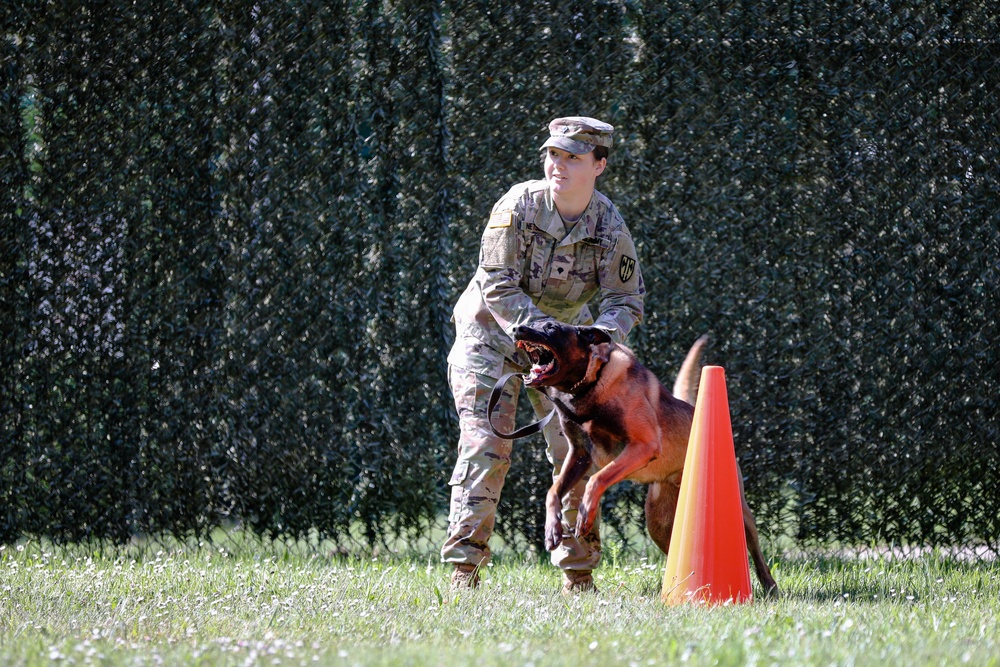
(621,270)
(626,268)
(501,219)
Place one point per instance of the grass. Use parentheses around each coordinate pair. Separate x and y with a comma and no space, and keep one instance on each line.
(206,605)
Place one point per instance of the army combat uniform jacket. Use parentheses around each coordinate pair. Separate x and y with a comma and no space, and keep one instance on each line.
(531,268)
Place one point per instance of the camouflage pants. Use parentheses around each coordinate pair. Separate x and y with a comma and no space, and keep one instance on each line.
(483,462)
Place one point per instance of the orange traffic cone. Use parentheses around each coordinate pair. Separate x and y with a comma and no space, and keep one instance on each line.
(707,561)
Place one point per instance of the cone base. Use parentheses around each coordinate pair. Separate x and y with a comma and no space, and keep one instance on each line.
(703,595)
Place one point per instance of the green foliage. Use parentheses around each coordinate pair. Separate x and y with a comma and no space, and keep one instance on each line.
(231,234)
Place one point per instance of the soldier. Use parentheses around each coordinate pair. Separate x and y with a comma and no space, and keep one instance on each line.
(550,246)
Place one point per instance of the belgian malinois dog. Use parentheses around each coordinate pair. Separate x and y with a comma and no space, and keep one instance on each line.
(617,415)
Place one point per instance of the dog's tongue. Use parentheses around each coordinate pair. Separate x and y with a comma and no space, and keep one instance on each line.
(538,373)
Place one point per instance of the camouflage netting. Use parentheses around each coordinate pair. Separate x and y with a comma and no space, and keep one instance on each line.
(232,233)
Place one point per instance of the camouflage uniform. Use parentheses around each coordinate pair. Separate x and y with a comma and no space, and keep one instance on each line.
(530,268)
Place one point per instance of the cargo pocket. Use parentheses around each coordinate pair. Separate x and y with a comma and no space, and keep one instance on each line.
(460,473)
(457,492)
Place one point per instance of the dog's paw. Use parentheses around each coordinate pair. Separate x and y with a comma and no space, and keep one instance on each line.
(584,521)
(553,531)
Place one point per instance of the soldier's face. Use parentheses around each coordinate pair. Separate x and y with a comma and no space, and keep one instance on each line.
(570,174)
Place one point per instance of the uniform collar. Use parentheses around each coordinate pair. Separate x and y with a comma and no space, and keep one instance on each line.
(552,224)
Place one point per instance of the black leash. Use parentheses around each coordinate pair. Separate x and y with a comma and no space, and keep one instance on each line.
(521,432)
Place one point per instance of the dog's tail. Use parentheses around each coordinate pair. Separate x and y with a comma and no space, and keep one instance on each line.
(686,385)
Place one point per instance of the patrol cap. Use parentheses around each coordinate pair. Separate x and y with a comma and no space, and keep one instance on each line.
(579,134)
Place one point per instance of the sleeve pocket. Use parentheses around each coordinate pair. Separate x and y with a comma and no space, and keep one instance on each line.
(499,247)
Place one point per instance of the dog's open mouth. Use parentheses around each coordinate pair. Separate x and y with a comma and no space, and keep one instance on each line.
(543,362)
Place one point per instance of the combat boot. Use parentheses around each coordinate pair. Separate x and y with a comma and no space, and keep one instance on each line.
(465,575)
(578,581)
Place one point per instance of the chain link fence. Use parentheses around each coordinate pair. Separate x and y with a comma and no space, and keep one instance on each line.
(232,233)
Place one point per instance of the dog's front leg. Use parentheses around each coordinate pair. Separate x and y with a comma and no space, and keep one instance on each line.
(575,466)
(636,455)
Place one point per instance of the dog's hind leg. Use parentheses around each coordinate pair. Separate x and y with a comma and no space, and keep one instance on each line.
(753,545)
(759,563)
(661,506)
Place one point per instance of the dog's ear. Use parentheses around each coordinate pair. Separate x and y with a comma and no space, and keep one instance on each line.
(600,351)
(594,336)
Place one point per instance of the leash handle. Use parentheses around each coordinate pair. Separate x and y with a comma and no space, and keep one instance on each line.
(521,432)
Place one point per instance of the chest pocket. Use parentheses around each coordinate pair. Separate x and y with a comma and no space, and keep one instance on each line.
(537,260)
(580,277)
